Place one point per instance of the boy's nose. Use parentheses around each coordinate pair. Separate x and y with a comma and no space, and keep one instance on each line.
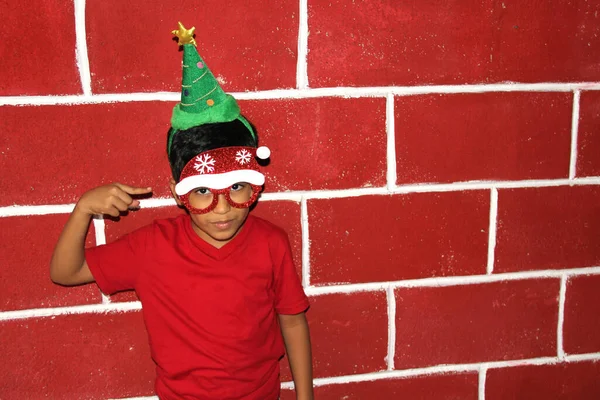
(223,205)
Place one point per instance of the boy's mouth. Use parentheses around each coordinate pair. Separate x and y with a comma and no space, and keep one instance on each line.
(223,225)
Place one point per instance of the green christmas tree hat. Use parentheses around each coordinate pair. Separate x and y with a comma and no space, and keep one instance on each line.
(202,99)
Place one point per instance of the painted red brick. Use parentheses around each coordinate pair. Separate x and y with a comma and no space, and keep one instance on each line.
(287,394)
(252,46)
(588,147)
(349,334)
(582,315)
(476,323)
(324,143)
(38,50)
(285,214)
(56,153)
(75,357)
(379,43)
(549,382)
(389,238)
(484,136)
(432,387)
(548,228)
(26,246)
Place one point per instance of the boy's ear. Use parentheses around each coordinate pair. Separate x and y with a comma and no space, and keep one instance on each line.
(172,184)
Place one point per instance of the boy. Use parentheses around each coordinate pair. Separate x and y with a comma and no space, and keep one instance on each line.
(217,285)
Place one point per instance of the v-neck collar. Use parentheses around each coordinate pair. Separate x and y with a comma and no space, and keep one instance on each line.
(227,249)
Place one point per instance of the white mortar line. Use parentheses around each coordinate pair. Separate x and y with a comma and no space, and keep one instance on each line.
(330,194)
(136,398)
(157,202)
(302,65)
(348,92)
(492,230)
(21,210)
(390,127)
(99,226)
(441,369)
(100,233)
(305,243)
(72,310)
(582,357)
(93,99)
(323,290)
(482,379)
(486,185)
(81,52)
(561,317)
(427,371)
(290,196)
(391,311)
(449,281)
(574,134)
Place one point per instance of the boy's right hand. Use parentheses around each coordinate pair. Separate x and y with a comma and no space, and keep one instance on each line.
(110,199)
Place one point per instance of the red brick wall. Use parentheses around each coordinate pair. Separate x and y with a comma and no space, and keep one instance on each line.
(436,164)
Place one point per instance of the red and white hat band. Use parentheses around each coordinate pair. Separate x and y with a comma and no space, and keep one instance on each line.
(221,168)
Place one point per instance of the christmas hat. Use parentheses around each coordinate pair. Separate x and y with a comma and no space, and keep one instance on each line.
(203,102)
(202,99)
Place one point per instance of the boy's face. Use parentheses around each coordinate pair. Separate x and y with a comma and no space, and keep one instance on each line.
(218,226)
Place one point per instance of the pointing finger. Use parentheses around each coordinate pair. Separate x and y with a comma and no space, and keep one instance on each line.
(132,189)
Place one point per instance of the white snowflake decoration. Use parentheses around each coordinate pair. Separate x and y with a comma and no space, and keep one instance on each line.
(242,156)
(204,164)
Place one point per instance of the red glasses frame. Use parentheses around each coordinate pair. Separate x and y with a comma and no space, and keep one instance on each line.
(216,192)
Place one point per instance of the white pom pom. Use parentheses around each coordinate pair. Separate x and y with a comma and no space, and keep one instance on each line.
(263,152)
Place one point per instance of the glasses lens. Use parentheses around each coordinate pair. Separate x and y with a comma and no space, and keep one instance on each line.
(201,198)
(240,193)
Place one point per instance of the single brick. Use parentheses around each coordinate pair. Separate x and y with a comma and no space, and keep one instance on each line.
(389,238)
(52,357)
(476,323)
(565,381)
(588,146)
(582,315)
(285,214)
(381,43)
(430,387)
(484,136)
(26,246)
(548,228)
(258,51)
(38,50)
(56,153)
(349,334)
(321,143)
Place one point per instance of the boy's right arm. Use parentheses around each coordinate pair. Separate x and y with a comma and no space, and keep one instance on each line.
(68,265)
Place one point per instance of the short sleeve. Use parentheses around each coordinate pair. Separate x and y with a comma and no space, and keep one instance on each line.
(116,266)
(289,294)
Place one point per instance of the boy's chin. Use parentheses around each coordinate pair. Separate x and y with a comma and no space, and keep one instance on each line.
(222,236)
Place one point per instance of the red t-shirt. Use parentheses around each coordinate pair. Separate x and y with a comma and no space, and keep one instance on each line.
(211,314)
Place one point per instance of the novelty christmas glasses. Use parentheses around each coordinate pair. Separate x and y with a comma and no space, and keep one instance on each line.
(203,200)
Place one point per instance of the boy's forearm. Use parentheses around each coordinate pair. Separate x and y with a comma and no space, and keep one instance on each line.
(69,254)
(297,342)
